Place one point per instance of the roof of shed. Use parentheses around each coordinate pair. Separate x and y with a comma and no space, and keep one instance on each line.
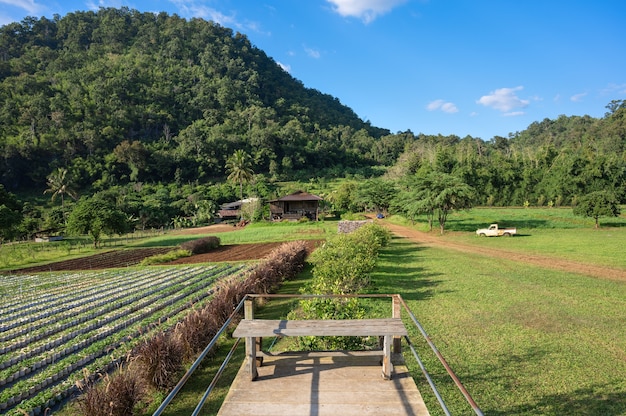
(299,196)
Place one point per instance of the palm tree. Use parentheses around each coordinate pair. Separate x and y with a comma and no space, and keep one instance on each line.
(59,184)
(239,168)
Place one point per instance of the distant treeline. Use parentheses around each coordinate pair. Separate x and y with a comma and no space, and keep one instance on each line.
(119,97)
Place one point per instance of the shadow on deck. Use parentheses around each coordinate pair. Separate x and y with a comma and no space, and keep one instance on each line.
(324,383)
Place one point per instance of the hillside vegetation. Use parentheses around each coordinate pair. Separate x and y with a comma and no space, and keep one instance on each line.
(145,111)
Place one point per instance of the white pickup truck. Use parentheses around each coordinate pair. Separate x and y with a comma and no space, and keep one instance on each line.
(494,231)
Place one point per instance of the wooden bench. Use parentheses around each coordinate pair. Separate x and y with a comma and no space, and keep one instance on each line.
(254,329)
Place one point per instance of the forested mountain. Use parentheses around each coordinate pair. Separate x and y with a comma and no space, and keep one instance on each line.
(145,109)
(118,95)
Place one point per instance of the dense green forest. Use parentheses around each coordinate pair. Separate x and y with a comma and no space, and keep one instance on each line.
(144,110)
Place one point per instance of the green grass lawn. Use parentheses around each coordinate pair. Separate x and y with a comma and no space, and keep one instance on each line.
(523,340)
(551,232)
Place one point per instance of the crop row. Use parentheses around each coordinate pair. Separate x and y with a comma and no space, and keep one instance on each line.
(122,289)
(62,295)
(106,311)
(67,293)
(137,302)
(49,365)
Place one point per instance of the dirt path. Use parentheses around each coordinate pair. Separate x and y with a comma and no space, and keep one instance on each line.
(537,260)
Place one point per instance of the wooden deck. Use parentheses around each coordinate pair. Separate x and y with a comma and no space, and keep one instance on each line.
(324,383)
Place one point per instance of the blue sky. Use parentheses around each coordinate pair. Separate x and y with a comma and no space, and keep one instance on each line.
(466,67)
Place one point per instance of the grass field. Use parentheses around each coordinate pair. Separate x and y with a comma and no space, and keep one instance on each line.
(524,340)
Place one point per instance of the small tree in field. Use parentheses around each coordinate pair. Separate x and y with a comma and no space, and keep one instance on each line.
(597,204)
(95,216)
(436,195)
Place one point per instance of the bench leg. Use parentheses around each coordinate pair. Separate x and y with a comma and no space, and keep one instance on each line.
(251,357)
(387,366)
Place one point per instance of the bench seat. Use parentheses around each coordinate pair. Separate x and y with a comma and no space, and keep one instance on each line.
(251,329)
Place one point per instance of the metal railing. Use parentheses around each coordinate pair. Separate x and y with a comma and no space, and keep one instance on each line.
(398,304)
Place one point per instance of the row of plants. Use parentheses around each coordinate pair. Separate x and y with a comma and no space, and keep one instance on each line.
(122,317)
(67,301)
(153,284)
(342,266)
(63,365)
(157,364)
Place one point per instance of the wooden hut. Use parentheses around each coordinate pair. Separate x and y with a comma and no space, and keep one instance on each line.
(295,206)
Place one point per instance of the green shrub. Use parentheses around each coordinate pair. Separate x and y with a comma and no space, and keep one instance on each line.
(201,245)
(341,266)
(165,258)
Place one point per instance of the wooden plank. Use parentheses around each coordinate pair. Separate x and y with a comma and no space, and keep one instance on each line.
(330,383)
(345,327)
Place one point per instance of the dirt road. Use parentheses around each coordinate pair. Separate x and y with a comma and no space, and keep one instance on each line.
(538,260)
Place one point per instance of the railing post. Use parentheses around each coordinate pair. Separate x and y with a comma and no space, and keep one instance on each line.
(396,313)
(251,342)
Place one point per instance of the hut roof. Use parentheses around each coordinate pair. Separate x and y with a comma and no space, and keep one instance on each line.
(299,196)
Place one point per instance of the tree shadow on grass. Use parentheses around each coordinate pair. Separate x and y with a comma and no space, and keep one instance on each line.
(398,271)
(598,399)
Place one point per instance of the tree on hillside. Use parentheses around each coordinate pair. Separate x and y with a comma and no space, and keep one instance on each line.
(96,216)
(597,204)
(10,214)
(239,169)
(59,185)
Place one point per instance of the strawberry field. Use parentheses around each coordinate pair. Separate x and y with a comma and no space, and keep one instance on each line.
(57,330)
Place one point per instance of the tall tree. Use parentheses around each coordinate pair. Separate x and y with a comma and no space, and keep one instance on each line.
(96,216)
(239,169)
(440,193)
(59,185)
(597,204)
(10,214)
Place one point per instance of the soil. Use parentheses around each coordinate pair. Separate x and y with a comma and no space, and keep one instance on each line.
(243,252)
(537,260)
(130,257)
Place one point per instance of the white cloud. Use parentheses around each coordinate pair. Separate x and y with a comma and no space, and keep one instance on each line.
(514,114)
(29,5)
(578,97)
(504,99)
(615,88)
(366,10)
(195,8)
(442,105)
(96,5)
(285,67)
(313,53)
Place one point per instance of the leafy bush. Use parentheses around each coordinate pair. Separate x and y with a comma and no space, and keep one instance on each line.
(341,266)
(201,245)
(165,258)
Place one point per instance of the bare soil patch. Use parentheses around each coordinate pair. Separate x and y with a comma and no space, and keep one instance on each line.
(537,260)
(131,257)
(106,260)
(239,252)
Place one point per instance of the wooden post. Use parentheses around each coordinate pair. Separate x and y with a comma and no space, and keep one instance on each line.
(251,342)
(387,366)
(397,313)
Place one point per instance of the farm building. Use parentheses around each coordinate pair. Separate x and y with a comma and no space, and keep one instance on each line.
(295,206)
(232,210)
